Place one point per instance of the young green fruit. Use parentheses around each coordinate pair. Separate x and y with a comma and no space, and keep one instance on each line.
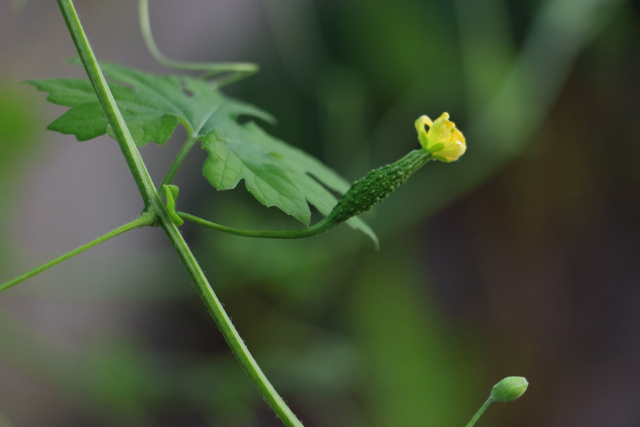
(377,185)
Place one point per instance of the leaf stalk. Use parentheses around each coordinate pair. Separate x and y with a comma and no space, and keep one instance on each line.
(177,162)
(478,414)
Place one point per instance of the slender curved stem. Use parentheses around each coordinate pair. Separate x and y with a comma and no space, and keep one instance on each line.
(318,228)
(156,208)
(478,414)
(144,220)
(239,70)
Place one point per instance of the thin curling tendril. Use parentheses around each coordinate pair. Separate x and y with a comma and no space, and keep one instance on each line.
(237,70)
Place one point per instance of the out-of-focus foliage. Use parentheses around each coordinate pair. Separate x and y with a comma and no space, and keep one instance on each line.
(17,133)
(519,259)
(17,137)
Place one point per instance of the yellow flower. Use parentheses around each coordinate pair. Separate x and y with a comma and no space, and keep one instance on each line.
(443,140)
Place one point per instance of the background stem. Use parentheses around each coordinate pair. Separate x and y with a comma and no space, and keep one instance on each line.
(478,414)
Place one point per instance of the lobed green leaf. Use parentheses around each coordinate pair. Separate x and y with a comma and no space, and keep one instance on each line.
(152,105)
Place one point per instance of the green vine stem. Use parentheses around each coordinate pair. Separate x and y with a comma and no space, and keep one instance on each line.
(144,220)
(154,205)
(318,228)
(238,70)
(115,119)
(229,331)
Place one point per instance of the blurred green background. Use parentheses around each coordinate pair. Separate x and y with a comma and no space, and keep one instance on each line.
(520,259)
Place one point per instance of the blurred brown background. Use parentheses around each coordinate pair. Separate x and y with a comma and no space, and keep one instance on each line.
(520,259)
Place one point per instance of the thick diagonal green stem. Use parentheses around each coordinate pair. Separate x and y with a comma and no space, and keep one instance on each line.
(146,219)
(154,205)
(115,119)
(229,331)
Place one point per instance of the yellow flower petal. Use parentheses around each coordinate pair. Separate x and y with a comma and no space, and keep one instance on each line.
(443,140)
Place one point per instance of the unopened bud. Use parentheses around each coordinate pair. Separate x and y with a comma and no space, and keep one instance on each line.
(509,389)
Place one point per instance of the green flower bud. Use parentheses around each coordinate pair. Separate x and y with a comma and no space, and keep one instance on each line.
(509,389)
